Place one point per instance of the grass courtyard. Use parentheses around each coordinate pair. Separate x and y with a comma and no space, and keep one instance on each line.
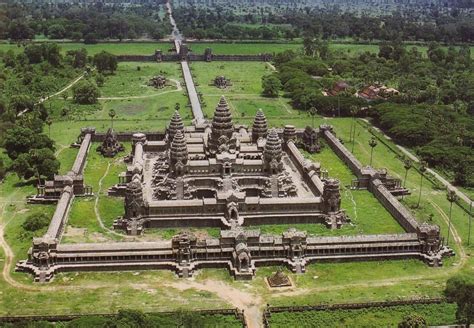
(149,290)
(244,95)
(127,93)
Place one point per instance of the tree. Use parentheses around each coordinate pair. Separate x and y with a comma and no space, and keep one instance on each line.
(309,46)
(78,57)
(372,144)
(20,140)
(105,62)
(413,320)
(271,86)
(19,30)
(99,80)
(452,197)
(56,31)
(48,122)
(460,289)
(36,221)
(21,102)
(313,111)
(85,93)
(38,162)
(407,164)
(422,169)
(112,114)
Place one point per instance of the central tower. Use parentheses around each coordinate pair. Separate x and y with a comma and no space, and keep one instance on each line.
(222,129)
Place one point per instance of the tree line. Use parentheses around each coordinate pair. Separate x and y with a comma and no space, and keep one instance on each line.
(223,22)
(92,22)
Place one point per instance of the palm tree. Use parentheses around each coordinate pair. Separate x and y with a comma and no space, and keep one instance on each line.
(372,144)
(112,114)
(49,121)
(354,111)
(313,112)
(407,164)
(451,196)
(422,172)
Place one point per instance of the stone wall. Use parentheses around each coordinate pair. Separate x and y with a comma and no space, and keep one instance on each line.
(59,219)
(81,157)
(341,151)
(390,202)
(293,249)
(192,57)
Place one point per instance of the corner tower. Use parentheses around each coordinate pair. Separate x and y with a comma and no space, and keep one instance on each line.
(260,126)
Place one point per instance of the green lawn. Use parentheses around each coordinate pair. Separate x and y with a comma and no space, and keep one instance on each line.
(126,92)
(114,48)
(131,79)
(244,96)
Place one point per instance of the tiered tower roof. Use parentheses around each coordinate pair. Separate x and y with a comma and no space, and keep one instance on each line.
(178,149)
(176,124)
(272,147)
(222,122)
(260,126)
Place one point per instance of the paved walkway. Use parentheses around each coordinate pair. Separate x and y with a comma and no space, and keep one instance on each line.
(192,94)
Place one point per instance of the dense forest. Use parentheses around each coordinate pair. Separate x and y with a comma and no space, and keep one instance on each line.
(88,23)
(433,113)
(222,22)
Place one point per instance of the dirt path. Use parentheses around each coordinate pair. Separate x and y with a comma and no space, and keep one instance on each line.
(96,205)
(273,68)
(67,87)
(252,304)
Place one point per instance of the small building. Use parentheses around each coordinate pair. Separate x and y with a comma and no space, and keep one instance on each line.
(337,88)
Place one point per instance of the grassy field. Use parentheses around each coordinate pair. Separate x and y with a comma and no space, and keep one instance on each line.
(244,95)
(127,93)
(114,48)
(434,314)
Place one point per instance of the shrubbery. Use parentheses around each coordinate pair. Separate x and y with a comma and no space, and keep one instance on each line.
(35,222)
(85,93)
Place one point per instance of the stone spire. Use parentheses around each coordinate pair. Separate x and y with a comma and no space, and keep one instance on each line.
(176,124)
(178,149)
(222,124)
(260,126)
(272,149)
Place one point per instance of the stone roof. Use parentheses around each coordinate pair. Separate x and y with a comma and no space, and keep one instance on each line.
(176,124)
(273,146)
(222,121)
(260,126)
(178,149)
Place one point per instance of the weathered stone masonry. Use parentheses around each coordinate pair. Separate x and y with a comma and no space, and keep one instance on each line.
(214,181)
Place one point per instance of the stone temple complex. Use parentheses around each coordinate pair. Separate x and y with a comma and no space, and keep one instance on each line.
(221,174)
